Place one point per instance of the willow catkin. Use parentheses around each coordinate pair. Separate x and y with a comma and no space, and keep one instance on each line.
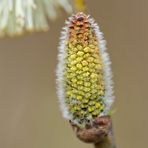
(83,72)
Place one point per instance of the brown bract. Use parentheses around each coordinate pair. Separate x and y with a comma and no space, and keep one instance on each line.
(96,133)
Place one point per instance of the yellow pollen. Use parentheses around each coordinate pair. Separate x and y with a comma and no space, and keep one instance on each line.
(97,105)
(79,59)
(85,68)
(101,92)
(91,59)
(74,80)
(79,66)
(79,97)
(73,56)
(73,68)
(79,47)
(85,101)
(84,63)
(80,53)
(87,49)
(80,87)
(95,112)
(80,82)
(93,75)
(87,95)
(87,84)
(86,74)
(90,109)
(92,46)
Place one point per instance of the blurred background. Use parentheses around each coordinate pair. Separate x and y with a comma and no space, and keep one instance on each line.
(29,109)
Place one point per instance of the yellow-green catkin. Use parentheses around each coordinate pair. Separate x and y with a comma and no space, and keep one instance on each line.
(83,72)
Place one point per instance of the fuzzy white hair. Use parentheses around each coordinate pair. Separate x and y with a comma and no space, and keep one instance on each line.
(60,74)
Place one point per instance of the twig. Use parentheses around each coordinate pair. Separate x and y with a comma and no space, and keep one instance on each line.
(108,141)
(80,5)
(100,134)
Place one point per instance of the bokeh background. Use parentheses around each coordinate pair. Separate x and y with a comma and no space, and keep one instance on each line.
(29,111)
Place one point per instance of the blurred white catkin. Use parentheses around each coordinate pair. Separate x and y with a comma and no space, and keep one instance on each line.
(18,16)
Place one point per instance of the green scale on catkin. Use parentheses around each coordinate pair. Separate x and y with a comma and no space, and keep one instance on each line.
(83,72)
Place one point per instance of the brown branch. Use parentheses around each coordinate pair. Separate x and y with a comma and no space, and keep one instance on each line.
(100,134)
